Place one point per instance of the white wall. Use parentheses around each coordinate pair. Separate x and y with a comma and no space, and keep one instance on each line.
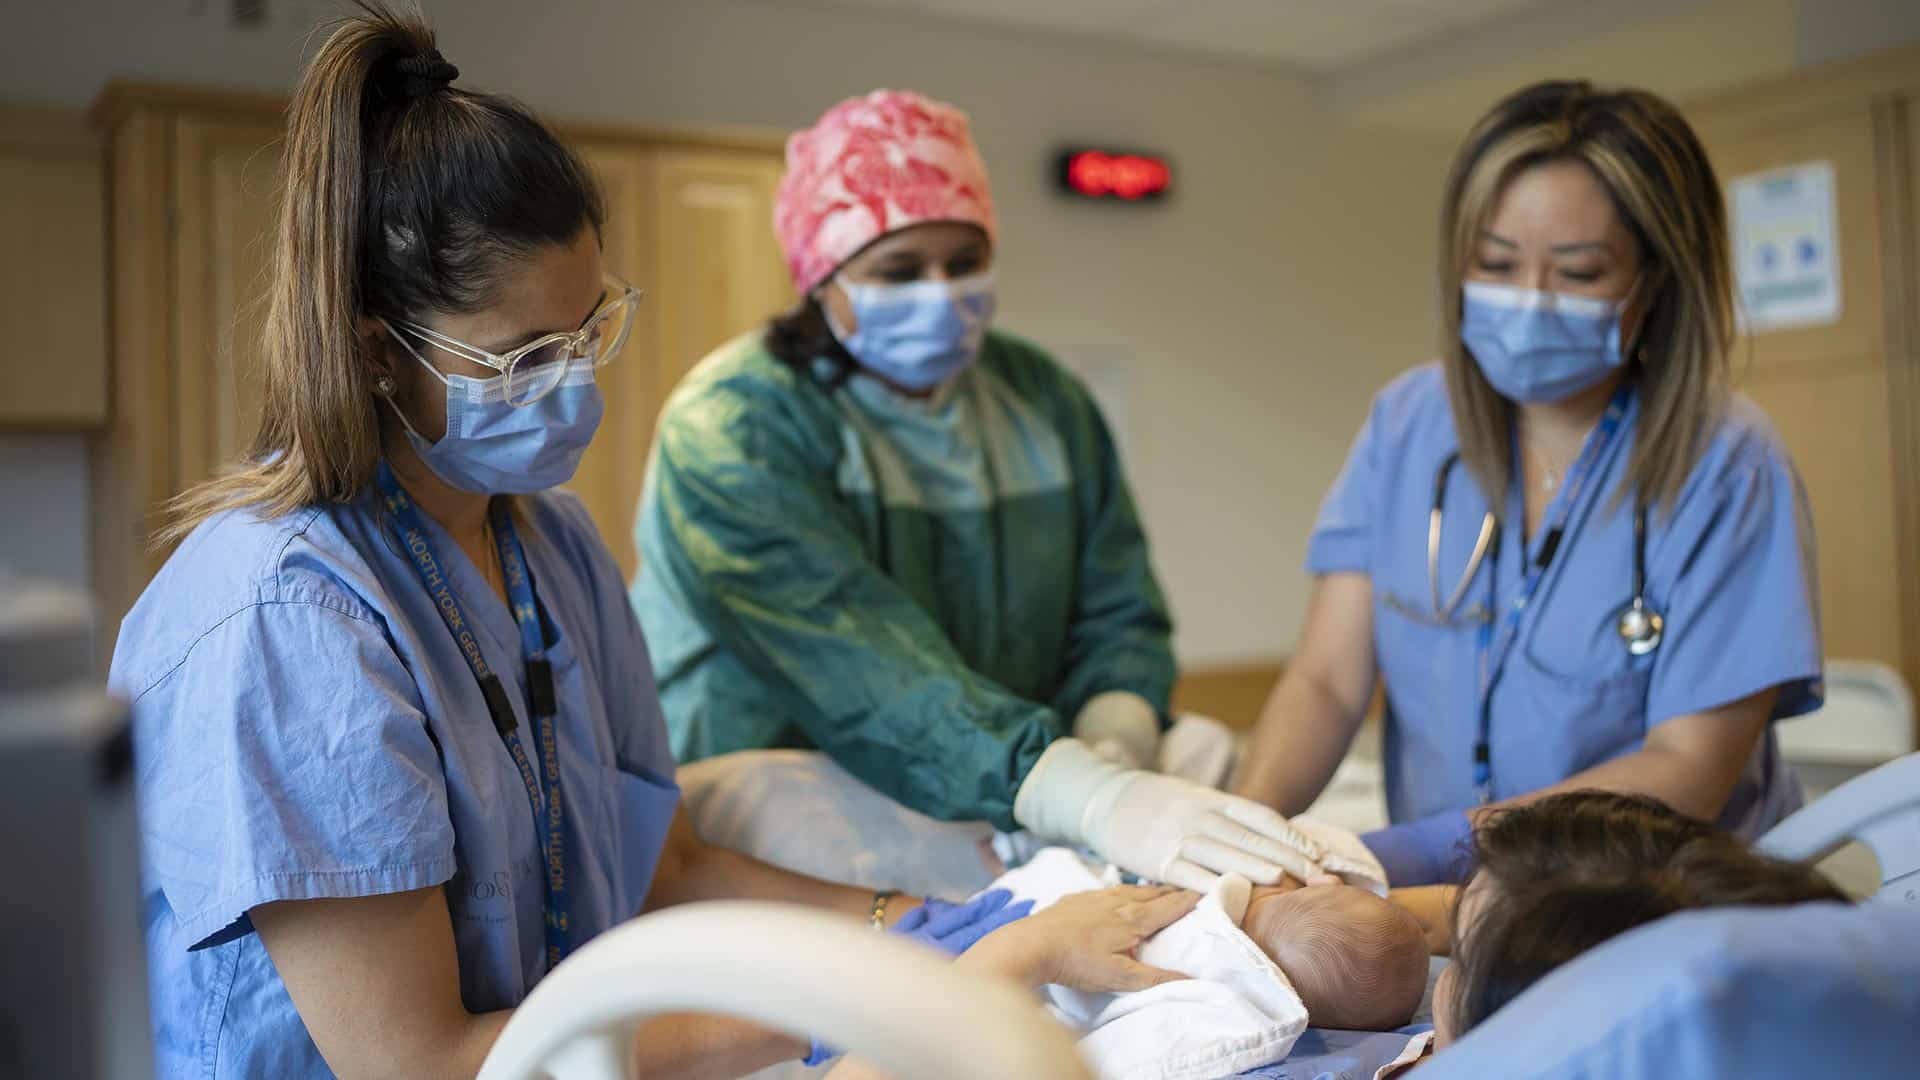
(1683,49)
(1832,30)
(1257,311)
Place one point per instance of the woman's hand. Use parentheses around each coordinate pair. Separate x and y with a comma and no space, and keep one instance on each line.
(1087,940)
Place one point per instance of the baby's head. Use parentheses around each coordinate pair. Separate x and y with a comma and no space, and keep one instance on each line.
(1358,961)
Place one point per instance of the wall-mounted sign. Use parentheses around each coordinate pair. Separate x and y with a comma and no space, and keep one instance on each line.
(1786,259)
(1114,175)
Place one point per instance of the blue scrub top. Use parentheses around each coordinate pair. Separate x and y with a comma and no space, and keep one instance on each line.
(1730,565)
(304,726)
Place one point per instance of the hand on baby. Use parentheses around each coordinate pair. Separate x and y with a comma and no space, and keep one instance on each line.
(1087,940)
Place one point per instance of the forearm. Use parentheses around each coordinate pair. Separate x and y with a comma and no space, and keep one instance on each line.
(714,873)
(687,1046)
(1675,778)
(1692,763)
(452,1048)
(1303,733)
(1432,907)
(691,870)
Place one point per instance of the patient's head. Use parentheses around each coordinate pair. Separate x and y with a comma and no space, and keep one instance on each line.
(1558,876)
(1358,961)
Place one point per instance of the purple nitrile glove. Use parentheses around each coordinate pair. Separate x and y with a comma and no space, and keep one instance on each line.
(1431,851)
(951,928)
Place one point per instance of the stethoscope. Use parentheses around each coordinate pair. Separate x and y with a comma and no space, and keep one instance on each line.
(1639,625)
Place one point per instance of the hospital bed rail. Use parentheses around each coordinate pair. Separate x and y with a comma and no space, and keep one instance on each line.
(898,1005)
(1880,809)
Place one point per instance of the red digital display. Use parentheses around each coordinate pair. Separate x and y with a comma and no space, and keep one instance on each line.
(1103,174)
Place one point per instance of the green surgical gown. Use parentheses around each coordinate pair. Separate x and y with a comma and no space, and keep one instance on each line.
(926,590)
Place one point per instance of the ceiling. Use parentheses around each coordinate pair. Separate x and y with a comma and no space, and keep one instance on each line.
(1313,36)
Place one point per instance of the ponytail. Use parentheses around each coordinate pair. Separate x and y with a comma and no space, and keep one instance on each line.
(403,195)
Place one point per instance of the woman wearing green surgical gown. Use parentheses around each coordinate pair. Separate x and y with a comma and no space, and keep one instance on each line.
(880,529)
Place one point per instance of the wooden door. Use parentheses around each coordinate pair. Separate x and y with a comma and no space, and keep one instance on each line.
(53,283)
(693,229)
(1899,159)
(717,263)
(1831,388)
(226,190)
(610,473)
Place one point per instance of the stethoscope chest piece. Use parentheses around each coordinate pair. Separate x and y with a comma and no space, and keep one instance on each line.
(1641,627)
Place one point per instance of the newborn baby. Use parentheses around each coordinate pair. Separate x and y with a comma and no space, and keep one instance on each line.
(1358,961)
(1263,964)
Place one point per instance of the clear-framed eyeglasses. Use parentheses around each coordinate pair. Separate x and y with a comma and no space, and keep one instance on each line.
(534,369)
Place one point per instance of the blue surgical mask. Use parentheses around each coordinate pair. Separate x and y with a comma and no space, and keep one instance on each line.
(1538,347)
(920,334)
(494,448)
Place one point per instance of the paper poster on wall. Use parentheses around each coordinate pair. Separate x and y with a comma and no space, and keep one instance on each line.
(1786,257)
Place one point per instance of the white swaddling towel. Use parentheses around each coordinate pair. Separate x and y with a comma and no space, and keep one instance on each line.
(1236,1012)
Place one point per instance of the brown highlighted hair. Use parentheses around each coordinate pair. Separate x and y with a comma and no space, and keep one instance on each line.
(1652,164)
(1558,876)
(404,195)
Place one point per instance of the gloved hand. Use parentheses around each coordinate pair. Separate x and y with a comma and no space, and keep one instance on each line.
(1160,827)
(1121,727)
(951,928)
(1197,748)
(1432,851)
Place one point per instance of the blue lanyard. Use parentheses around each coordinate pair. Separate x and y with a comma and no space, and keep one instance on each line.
(549,813)
(1497,637)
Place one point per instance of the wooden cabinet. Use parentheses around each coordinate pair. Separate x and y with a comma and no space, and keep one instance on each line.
(194,188)
(1846,394)
(693,226)
(225,185)
(53,282)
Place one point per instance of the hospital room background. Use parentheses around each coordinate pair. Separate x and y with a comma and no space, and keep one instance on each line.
(1232,326)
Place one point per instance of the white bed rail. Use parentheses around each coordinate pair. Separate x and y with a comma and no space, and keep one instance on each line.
(806,972)
(1881,809)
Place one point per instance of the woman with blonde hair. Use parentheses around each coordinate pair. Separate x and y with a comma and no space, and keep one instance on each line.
(1574,557)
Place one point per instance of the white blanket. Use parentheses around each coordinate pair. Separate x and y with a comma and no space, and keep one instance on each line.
(1236,1013)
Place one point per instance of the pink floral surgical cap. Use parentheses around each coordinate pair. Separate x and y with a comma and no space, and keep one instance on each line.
(869,167)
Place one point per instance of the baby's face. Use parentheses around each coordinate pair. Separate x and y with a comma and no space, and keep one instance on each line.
(1358,961)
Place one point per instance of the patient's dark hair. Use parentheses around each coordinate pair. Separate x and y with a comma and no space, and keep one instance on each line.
(1570,871)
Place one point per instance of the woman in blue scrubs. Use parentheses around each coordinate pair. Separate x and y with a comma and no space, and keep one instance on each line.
(398,746)
(1574,557)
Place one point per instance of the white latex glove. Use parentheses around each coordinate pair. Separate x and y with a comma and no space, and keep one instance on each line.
(1160,827)
(1343,856)
(1197,748)
(1121,727)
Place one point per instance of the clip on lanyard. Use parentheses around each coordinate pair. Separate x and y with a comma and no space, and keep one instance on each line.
(549,813)
(1497,644)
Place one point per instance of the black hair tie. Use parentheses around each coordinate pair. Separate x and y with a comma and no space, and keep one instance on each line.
(424,73)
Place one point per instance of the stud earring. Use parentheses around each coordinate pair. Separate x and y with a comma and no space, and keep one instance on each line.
(383,386)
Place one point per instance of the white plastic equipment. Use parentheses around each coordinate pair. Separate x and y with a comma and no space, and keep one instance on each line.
(1880,809)
(73,980)
(895,1004)
(1867,719)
